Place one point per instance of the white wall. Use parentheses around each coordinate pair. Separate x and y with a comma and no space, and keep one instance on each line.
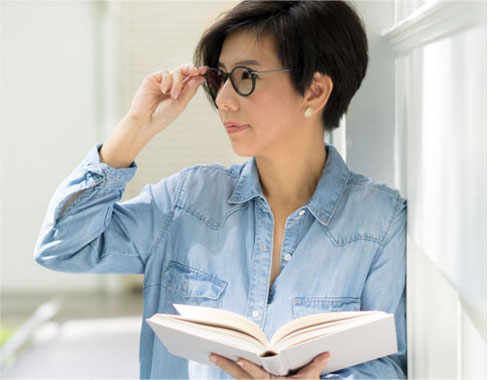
(48,122)
(440,104)
(418,123)
(371,116)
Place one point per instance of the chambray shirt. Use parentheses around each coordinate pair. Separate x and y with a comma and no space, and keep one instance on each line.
(204,236)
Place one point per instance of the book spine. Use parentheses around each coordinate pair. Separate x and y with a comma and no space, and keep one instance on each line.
(275,365)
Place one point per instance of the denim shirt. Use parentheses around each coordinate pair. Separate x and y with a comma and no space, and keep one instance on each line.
(204,236)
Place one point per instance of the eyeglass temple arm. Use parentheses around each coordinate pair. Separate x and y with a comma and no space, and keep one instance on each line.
(271,71)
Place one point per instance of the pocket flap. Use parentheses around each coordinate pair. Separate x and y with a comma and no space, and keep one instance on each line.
(191,282)
(303,306)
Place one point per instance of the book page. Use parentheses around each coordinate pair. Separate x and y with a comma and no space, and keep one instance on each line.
(356,344)
(221,318)
(315,319)
(222,335)
(322,330)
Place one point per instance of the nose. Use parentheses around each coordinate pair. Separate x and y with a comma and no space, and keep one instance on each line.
(227,97)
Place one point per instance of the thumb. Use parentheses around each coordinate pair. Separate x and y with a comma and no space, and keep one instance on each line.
(321,361)
(191,88)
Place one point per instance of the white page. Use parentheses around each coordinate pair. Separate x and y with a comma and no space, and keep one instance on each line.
(314,319)
(221,317)
(349,347)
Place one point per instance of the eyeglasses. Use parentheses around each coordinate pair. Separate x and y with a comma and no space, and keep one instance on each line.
(243,79)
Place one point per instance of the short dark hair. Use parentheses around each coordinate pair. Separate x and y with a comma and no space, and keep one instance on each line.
(324,36)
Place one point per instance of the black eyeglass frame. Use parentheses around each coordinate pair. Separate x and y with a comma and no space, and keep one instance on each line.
(228,75)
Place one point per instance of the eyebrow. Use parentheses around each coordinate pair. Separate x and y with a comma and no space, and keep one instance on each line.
(248,62)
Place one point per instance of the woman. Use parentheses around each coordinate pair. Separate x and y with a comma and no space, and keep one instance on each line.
(291,232)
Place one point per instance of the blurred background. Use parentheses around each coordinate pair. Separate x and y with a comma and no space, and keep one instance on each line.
(69,70)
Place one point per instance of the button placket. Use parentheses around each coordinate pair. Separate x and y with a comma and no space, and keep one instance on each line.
(287,256)
(258,292)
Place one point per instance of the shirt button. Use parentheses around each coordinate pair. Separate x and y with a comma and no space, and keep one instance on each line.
(255,314)
(263,246)
(287,257)
(301,212)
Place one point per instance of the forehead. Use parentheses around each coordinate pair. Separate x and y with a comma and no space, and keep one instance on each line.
(244,45)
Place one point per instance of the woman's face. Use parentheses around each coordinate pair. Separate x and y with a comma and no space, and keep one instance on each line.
(273,111)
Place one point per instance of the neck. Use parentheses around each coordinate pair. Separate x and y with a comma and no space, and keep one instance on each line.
(289,177)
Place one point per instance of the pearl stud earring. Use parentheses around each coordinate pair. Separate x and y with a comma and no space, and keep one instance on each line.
(308,112)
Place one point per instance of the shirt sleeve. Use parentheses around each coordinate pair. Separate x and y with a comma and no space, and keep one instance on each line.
(385,290)
(96,233)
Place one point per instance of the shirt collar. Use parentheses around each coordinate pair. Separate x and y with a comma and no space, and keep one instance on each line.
(323,202)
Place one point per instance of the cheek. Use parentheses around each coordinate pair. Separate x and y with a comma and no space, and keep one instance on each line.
(273,98)
(276,110)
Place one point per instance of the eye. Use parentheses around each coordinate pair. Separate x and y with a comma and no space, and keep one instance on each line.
(246,74)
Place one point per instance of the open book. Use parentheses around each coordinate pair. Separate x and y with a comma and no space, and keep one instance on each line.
(350,337)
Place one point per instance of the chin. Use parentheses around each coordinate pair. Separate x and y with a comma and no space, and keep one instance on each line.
(242,150)
(243,153)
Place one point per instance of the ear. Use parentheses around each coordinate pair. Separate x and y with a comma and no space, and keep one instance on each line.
(319,91)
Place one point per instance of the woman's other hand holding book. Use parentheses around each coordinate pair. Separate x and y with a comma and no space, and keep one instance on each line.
(244,369)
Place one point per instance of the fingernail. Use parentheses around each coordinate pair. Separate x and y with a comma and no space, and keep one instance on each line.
(323,358)
(241,363)
(213,359)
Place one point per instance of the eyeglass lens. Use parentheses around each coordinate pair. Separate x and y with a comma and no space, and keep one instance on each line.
(241,77)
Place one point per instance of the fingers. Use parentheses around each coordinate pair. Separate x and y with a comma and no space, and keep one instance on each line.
(245,369)
(254,370)
(203,70)
(310,371)
(190,69)
(190,88)
(320,362)
(166,81)
(173,82)
(177,79)
(230,367)
(313,369)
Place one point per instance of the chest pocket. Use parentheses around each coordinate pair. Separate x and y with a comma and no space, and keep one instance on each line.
(303,306)
(191,286)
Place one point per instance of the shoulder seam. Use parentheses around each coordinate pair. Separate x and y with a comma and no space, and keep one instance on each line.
(388,232)
(377,186)
(398,209)
(218,167)
(164,227)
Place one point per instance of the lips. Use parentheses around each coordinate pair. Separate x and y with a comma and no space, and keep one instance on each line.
(233,124)
(233,127)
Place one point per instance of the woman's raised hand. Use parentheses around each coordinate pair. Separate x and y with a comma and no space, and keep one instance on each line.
(163,96)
